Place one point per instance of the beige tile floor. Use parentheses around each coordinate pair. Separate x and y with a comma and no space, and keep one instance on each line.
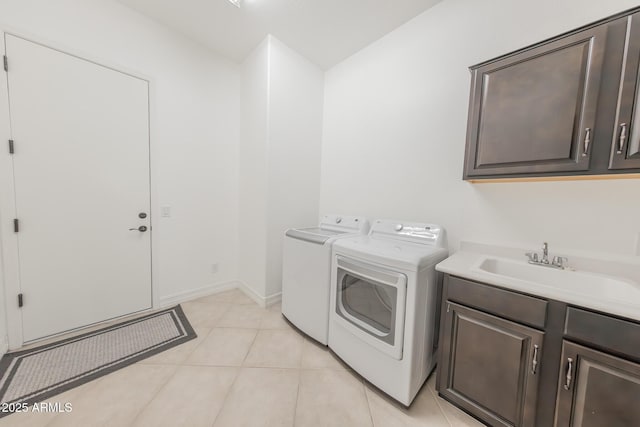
(247,367)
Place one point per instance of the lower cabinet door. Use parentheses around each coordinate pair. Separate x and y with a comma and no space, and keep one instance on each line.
(490,366)
(596,389)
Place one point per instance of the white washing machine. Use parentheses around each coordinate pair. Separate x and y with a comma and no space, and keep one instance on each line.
(384,302)
(306,268)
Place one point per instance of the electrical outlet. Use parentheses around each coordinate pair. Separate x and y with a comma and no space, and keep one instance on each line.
(165,211)
(214,268)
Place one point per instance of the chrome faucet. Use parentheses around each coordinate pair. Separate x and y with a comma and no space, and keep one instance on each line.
(557,262)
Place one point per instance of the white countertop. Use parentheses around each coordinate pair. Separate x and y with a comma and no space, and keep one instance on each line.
(625,271)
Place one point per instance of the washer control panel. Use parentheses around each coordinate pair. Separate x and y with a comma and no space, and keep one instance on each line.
(345,224)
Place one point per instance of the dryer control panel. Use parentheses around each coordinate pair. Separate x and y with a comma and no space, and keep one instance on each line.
(417,232)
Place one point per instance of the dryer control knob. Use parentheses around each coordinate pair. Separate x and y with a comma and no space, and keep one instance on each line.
(338,220)
(399,227)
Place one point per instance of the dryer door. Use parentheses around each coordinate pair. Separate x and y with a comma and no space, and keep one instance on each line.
(370,302)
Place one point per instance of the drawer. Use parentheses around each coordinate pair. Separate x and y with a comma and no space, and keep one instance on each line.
(609,333)
(510,305)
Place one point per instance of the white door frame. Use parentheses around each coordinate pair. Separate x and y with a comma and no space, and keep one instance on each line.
(10,267)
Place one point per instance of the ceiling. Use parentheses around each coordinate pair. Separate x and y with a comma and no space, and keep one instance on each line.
(324,31)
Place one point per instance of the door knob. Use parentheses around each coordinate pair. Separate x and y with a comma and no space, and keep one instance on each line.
(141,229)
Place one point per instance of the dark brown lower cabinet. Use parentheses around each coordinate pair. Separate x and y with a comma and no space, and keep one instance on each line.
(596,389)
(587,374)
(490,366)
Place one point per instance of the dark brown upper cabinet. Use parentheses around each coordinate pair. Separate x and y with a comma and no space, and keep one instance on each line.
(562,107)
(625,147)
(535,111)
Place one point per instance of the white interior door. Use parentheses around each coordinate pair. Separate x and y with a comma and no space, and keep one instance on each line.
(81,167)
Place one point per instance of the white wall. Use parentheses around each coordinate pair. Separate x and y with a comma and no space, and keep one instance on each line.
(279,159)
(253,169)
(195,101)
(296,88)
(394,133)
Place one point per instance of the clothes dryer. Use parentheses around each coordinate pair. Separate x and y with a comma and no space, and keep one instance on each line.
(384,302)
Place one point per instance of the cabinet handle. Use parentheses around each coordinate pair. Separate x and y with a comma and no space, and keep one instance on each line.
(587,141)
(567,383)
(623,137)
(534,362)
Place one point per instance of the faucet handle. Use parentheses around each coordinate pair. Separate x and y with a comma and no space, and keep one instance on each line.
(533,257)
(559,261)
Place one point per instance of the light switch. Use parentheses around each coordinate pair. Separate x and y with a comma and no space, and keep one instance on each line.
(165,211)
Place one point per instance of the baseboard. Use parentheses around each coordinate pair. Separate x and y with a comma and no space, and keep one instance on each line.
(273,299)
(259,299)
(219,287)
(251,294)
(198,293)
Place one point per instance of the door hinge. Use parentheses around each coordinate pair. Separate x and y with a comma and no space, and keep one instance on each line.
(11,150)
(16,225)
(6,62)
(20,300)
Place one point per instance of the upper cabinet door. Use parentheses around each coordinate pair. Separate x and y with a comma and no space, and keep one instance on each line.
(534,112)
(625,146)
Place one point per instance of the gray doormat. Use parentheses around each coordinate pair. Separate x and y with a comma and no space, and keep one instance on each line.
(31,376)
